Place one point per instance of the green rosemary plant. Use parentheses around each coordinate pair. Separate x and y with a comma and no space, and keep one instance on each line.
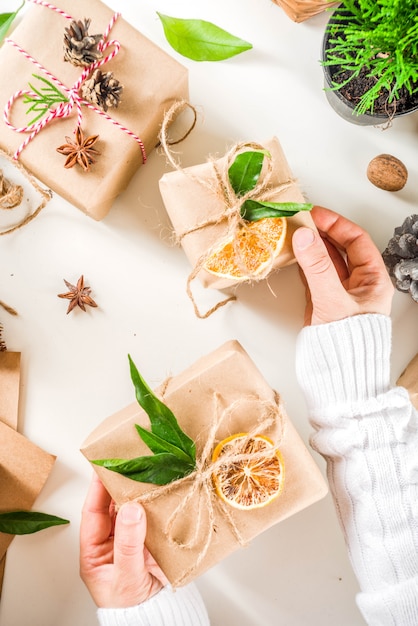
(378,38)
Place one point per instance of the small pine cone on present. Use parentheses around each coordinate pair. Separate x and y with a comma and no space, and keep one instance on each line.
(80,48)
(102,90)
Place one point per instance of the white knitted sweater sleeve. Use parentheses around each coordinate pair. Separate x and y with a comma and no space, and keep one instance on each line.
(368,434)
(183,607)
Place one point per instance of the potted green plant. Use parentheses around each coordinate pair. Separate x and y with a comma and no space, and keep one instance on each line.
(370,59)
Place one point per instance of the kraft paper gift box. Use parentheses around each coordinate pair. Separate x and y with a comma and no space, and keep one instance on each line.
(223,393)
(301,10)
(409,380)
(191,199)
(24,467)
(152,81)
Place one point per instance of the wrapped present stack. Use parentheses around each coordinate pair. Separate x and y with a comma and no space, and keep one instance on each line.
(221,395)
(102,107)
(24,467)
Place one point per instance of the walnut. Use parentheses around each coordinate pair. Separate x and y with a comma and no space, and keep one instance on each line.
(387,172)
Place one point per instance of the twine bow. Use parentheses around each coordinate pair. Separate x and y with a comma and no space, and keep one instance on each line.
(74,100)
(230,208)
(201,485)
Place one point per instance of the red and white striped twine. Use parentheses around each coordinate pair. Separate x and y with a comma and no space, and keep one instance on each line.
(64,109)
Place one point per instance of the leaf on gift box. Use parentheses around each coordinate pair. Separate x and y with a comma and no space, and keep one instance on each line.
(174,452)
(27,522)
(6,20)
(245,171)
(163,423)
(253,210)
(159,469)
(200,40)
(244,174)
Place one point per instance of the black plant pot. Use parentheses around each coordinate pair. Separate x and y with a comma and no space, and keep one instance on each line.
(343,106)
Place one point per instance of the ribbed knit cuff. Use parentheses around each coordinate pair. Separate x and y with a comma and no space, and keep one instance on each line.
(344,362)
(396,604)
(182,607)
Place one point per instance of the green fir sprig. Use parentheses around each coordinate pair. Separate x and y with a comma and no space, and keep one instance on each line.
(43,98)
(380,36)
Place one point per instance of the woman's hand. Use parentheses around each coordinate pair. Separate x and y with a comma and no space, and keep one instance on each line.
(344,272)
(116,567)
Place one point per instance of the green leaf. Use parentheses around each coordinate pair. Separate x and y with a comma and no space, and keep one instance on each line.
(200,40)
(253,210)
(159,469)
(245,171)
(163,423)
(27,522)
(6,20)
(158,445)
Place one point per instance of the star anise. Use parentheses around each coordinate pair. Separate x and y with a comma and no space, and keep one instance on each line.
(78,295)
(80,150)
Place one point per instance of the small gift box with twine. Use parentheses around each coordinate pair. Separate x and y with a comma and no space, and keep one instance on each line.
(84,95)
(190,527)
(205,211)
(301,10)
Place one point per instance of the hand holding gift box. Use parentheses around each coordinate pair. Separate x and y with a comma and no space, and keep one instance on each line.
(223,394)
(213,216)
(125,125)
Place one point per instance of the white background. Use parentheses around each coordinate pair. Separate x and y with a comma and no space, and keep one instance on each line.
(74,368)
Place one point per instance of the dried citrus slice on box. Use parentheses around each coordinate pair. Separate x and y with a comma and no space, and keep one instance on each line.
(251,483)
(257,244)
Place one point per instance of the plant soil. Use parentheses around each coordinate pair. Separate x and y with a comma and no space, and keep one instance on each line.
(354,90)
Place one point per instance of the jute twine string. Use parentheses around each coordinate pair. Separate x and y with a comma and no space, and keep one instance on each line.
(230,208)
(10,194)
(8,308)
(201,491)
(13,192)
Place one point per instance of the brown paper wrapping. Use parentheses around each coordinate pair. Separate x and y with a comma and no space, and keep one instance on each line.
(409,380)
(189,203)
(152,81)
(9,387)
(230,373)
(301,10)
(24,467)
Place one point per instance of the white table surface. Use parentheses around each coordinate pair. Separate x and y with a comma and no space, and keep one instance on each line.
(74,368)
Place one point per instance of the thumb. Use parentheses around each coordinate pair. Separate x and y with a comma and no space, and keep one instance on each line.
(130,531)
(316,264)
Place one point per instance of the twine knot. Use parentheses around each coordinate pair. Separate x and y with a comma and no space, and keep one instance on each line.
(200,489)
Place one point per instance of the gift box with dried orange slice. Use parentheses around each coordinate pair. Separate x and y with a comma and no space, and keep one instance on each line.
(251,469)
(223,245)
(78,78)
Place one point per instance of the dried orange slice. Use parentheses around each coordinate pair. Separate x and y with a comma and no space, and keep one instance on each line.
(255,246)
(251,483)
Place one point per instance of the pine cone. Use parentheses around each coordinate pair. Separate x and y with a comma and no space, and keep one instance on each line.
(80,48)
(401,256)
(102,90)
